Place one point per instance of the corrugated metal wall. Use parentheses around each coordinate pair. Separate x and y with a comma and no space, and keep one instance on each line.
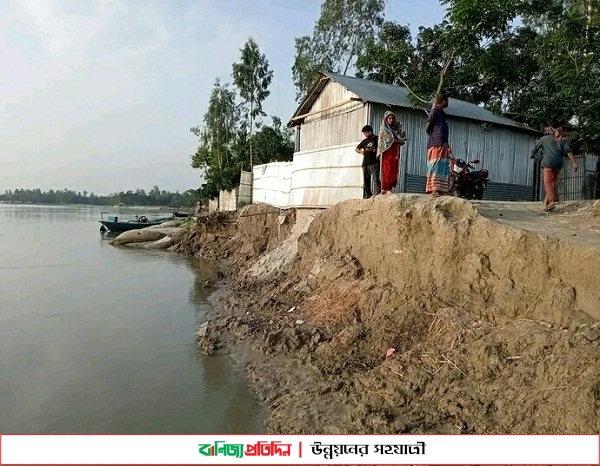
(502,151)
(213,205)
(505,153)
(334,127)
(494,192)
(227,200)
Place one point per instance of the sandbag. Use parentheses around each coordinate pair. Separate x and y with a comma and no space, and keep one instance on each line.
(169,224)
(139,236)
(166,231)
(163,243)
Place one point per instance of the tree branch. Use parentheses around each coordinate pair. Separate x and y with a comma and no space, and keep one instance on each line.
(410,91)
(445,71)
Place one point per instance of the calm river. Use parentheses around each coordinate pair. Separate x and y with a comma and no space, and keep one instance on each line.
(97,339)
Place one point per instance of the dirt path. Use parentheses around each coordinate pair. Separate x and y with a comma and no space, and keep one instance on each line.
(570,221)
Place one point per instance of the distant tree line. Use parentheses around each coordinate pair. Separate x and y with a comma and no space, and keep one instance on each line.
(139,197)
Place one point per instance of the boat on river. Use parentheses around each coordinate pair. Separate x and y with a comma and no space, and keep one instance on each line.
(178,214)
(112,223)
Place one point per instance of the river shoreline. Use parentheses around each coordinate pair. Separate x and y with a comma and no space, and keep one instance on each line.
(102,339)
(345,340)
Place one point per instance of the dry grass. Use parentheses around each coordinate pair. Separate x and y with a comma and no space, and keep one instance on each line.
(217,219)
(333,306)
(450,327)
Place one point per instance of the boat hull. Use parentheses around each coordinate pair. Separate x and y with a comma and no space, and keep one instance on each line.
(127,226)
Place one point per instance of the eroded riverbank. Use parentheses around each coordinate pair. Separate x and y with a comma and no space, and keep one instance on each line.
(491,327)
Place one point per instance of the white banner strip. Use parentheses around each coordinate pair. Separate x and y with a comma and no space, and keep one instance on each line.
(300,449)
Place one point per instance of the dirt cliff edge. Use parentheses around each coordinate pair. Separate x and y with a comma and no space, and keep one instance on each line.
(491,329)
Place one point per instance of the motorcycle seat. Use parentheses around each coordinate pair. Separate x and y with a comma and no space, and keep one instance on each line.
(476,174)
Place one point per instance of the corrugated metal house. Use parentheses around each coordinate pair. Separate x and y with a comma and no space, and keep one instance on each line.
(328,123)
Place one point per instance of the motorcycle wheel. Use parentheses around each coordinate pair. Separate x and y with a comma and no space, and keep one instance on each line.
(478,194)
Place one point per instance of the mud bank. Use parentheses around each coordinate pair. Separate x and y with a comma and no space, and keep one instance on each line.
(489,322)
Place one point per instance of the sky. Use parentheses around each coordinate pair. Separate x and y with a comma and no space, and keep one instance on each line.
(100,95)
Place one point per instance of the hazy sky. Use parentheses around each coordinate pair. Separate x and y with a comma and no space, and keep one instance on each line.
(99,95)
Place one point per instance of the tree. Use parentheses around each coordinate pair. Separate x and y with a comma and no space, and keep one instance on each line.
(338,39)
(67,196)
(476,53)
(387,57)
(275,143)
(536,61)
(567,84)
(252,77)
(214,154)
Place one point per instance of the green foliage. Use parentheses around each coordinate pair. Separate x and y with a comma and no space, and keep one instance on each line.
(155,197)
(567,84)
(474,21)
(338,39)
(387,57)
(252,78)
(217,136)
(535,61)
(273,143)
(224,149)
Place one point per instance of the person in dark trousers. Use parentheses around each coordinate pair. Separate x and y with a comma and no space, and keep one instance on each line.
(370,165)
(554,148)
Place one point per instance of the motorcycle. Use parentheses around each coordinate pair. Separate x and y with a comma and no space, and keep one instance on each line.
(465,181)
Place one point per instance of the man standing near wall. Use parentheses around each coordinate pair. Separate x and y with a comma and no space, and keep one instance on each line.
(554,148)
(370,165)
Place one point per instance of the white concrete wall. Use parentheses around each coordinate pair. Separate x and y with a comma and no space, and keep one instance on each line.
(245,189)
(272,183)
(213,205)
(228,200)
(315,178)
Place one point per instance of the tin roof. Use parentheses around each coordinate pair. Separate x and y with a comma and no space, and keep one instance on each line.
(387,94)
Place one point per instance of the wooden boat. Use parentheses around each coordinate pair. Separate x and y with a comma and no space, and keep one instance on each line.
(181,214)
(112,223)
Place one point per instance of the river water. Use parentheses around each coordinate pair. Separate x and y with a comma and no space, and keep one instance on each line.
(98,339)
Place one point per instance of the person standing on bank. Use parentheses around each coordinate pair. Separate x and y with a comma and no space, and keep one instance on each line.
(554,149)
(370,163)
(438,149)
(391,138)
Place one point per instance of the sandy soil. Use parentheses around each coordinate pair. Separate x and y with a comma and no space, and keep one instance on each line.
(573,221)
(488,313)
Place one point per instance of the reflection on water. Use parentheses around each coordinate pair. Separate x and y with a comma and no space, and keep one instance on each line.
(97,339)
(205,275)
